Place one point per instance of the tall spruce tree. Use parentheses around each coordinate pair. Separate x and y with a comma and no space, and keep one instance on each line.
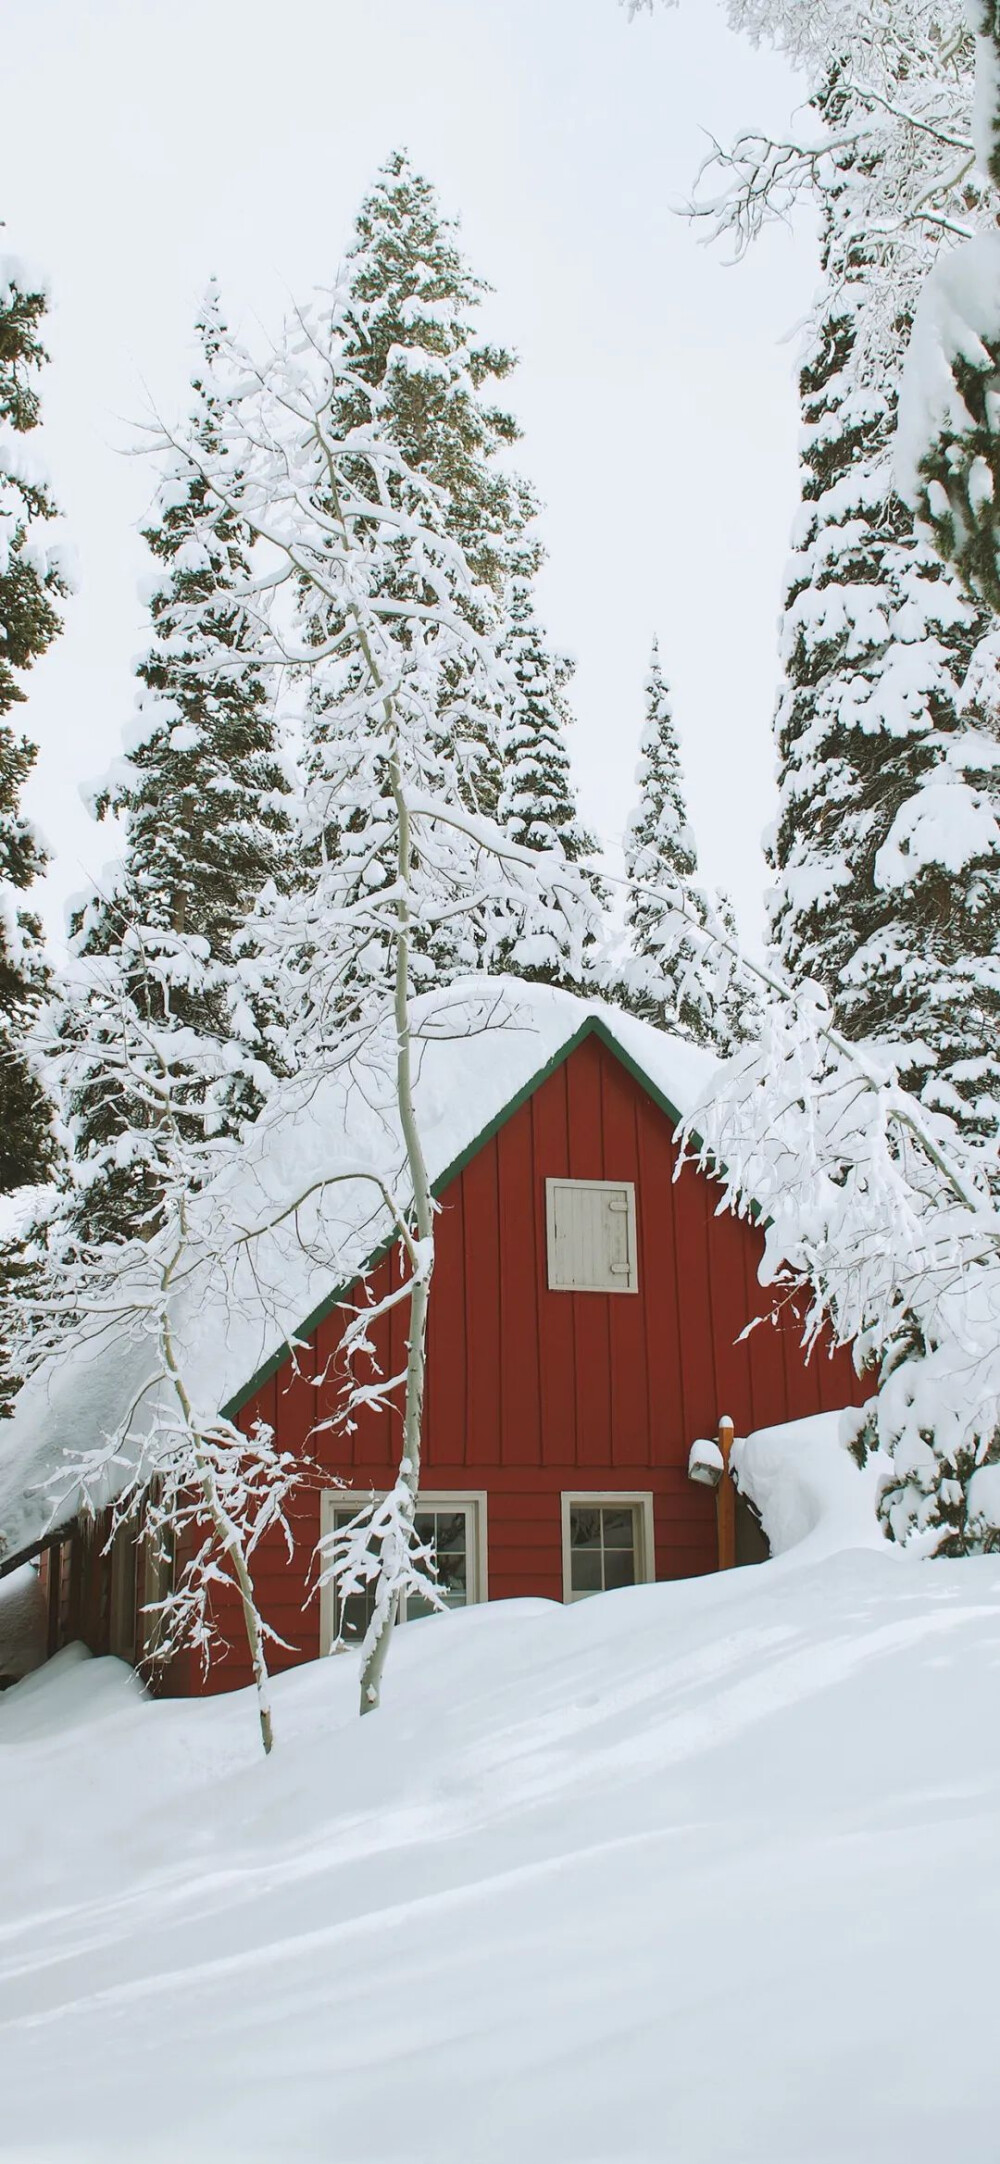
(32,579)
(412,342)
(670,978)
(411,339)
(200,794)
(887,846)
(537,805)
(411,336)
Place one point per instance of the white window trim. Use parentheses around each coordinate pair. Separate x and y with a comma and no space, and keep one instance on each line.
(587,1498)
(334,1499)
(627,1187)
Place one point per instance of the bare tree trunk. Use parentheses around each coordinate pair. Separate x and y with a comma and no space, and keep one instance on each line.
(226,1532)
(423,1210)
(421,1262)
(229,1541)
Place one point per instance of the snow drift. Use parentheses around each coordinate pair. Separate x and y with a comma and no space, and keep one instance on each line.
(693,1871)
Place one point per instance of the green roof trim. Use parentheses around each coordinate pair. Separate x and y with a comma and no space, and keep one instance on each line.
(592,1027)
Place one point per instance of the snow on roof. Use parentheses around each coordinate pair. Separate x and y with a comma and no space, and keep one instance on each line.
(303,1196)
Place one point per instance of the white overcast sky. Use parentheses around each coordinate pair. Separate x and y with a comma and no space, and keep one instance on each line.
(146,143)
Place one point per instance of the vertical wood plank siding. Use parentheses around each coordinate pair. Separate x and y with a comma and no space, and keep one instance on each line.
(532,1392)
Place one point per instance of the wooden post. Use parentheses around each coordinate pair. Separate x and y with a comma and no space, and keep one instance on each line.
(725,1499)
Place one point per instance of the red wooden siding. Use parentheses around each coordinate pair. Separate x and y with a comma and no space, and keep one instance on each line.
(531,1393)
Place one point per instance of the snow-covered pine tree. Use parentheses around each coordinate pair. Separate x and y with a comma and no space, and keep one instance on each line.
(537,805)
(200,794)
(887,846)
(32,579)
(947,462)
(410,333)
(887,840)
(890,751)
(411,343)
(670,977)
(411,339)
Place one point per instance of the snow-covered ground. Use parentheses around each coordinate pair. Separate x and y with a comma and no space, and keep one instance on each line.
(701,1871)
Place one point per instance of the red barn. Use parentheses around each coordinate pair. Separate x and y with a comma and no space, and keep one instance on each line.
(585,1328)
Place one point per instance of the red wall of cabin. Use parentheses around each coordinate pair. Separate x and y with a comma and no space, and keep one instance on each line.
(531,1392)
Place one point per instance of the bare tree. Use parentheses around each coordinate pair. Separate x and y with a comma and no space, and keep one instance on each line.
(365,595)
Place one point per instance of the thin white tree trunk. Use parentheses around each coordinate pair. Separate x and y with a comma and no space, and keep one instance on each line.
(422,1262)
(225,1531)
(408,1480)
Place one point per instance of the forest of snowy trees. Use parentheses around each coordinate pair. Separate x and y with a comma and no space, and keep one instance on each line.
(347,784)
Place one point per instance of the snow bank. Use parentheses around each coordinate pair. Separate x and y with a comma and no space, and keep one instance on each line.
(806,1488)
(689,1872)
(484,1043)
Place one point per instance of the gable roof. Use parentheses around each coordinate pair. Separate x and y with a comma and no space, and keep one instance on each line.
(303,1220)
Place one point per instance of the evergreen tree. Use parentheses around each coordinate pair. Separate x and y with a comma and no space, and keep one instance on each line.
(537,806)
(670,977)
(31,580)
(887,846)
(411,337)
(888,843)
(410,340)
(200,794)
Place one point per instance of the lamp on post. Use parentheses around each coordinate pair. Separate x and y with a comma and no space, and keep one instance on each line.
(708,1464)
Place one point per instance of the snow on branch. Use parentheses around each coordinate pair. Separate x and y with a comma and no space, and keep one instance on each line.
(360,588)
(880,1221)
(378,1555)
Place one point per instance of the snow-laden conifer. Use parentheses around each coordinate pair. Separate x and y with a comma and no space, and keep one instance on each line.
(947,461)
(411,337)
(877,1203)
(412,346)
(671,975)
(32,579)
(201,794)
(537,805)
(412,341)
(888,830)
(920,119)
(886,845)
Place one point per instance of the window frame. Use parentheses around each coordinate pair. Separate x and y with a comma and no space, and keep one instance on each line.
(617,1285)
(637,1499)
(471,1500)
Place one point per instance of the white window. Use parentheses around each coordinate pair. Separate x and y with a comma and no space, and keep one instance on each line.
(607,1542)
(452,1526)
(591,1227)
